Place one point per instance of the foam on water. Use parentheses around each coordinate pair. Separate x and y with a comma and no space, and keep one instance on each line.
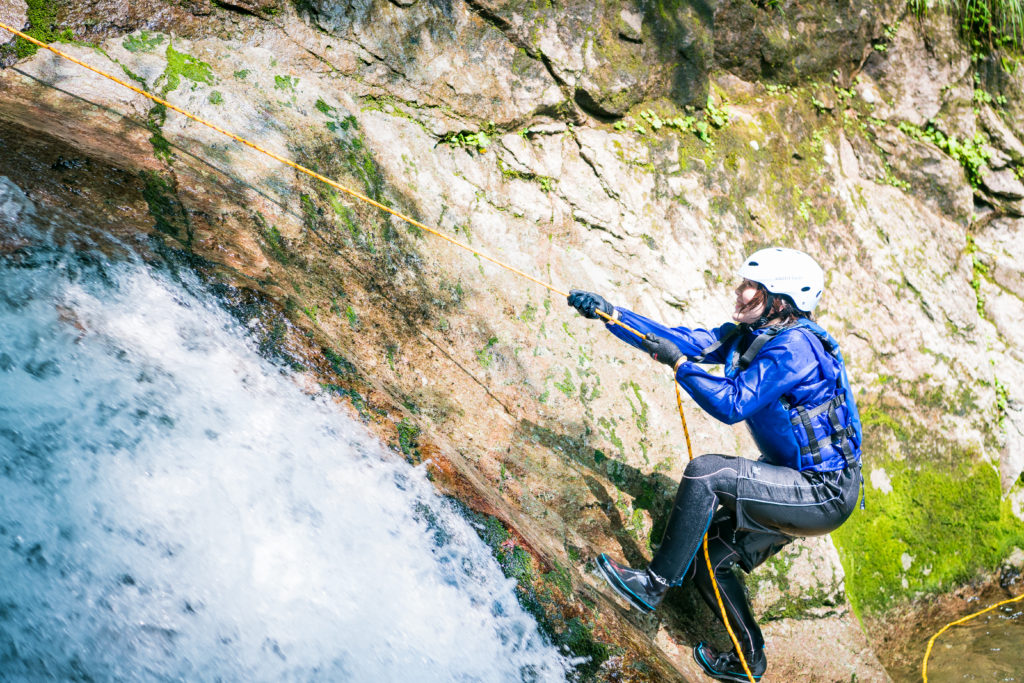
(173,506)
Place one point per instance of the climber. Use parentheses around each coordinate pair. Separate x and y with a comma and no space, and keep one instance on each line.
(785,377)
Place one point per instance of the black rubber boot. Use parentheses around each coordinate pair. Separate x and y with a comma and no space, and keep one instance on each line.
(642,588)
(726,666)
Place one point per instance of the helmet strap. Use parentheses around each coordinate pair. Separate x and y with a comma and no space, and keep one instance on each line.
(766,315)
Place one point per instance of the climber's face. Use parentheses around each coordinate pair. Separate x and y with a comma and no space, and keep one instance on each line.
(750,303)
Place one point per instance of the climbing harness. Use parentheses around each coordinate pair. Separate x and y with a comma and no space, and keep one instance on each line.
(411,221)
(931,641)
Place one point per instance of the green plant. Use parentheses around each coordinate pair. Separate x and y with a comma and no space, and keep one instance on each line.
(716,116)
(987,25)
(353,318)
(408,432)
(42,19)
(1002,401)
(181,65)
(481,140)
(972,154)
(484,355)
(286,83)
(979,271)
(652,119)
(143,41)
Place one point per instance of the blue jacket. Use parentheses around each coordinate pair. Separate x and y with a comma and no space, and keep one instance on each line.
(794,396)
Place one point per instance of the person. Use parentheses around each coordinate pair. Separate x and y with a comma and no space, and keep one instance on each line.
(785,377)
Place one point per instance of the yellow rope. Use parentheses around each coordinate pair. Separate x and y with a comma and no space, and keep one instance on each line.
(931,641)
(407,219)
(686,431)
(302,169)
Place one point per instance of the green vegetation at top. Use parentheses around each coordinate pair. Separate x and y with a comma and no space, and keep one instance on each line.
(42,19)
(987,25)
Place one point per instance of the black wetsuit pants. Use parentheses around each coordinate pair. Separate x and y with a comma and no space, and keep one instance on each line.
(763,507)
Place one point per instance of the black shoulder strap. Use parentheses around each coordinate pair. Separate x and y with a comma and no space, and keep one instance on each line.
(733,332)
(755,347)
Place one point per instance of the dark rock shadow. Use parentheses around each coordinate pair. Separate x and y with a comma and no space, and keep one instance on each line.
(683,610)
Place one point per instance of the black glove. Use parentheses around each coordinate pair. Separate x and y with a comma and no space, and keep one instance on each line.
(588,303)
(661,350)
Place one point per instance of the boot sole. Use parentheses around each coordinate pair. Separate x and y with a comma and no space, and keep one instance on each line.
(720,675)
(613,580)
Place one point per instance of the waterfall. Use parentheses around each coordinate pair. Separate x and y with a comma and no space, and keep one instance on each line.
(173,506)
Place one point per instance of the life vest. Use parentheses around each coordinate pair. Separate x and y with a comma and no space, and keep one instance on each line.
(823,437)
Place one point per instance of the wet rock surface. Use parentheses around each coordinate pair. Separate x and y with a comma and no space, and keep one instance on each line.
(545,137)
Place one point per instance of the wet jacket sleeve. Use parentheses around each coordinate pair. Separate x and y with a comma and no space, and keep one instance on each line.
(778,368)
(690,342)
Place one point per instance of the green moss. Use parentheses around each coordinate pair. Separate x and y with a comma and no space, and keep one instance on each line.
(543,596)
(132,75)
(143,41)
(356,159)
(275,243)
(352,317)
(241,75)
(310,213)
(155,120)
(566,386)
(216,97)
(324,108)
(408,433)
(181,65)
(42,19)
(607,426)
(946,511)
(640,416)
(167,212)
(485,356)
(341,365)
(286,83)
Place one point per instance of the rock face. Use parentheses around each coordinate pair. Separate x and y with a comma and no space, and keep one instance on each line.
(13,13)
(564,141)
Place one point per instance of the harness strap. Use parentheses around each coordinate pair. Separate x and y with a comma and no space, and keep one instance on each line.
(755,348)
(812,441)
(844,434)
(733,332)
(836,401)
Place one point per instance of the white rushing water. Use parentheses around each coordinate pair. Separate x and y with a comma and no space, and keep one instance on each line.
(174,507)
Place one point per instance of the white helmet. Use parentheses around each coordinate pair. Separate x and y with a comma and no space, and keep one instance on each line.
(789,272)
